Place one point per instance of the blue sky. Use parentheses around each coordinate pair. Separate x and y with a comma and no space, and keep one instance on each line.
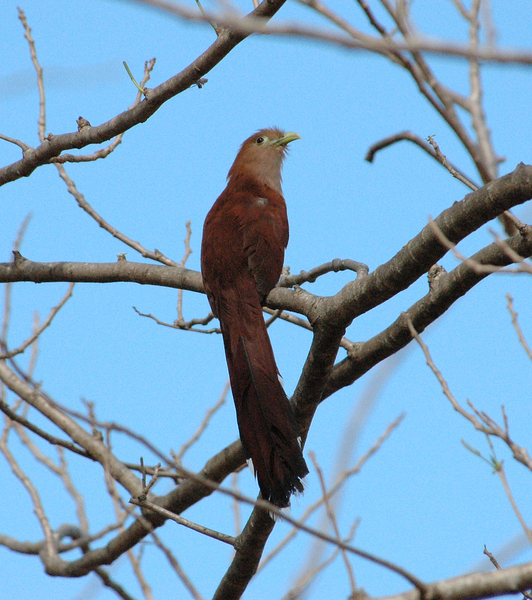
(424,501)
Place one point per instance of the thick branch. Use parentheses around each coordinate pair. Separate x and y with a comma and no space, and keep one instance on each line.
(23,269)
(476,585)
(247,556)
(448,288)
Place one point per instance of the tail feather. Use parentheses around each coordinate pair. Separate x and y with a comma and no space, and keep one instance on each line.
(267,426)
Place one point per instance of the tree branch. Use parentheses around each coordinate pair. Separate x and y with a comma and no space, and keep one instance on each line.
(90,443)
(448,288)
(475,585)
(53,145)
(23,269)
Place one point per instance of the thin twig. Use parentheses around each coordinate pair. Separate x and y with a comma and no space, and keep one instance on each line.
(517,327)
(156,255)
(334,523)
(18,143)
(203,425)
(311,573)
(508,491)
(33,493)
(104,152)
(176,567)
(188,252)
(38,69)
(274,510)
(186,326)
(498,566)
(71,186)
(476,95)
(112,584)
(524,266)
(107,425)
(7,293)
(222,537)
(120,510)
(345,343)
(480,420)
(251,24)
(491,557)
(147,487)
(47,322)
(442,159)
(151,470)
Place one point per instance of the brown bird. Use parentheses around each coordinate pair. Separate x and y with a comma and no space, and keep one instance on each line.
(244,239)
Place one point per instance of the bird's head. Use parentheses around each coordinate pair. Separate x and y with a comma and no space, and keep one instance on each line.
(261,157)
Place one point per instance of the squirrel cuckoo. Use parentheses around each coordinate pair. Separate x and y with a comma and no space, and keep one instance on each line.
(244,239)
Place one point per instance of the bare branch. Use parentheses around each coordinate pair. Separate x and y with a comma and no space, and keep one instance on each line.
(7,292)
(481,422)
(47,322)
(344,476)
(82,203)
(203,425)
(475,96)
(475,585)
(517,327)
(183,325)
(111,584)
(412,137)
(16,142)
(54,145)
(188,252)
(23,269)
(38,69)
(92,445)
(176,567)
(103,152)
(4,407)
(334,266)
(332,518)
(398,137)
(449,287)
(492,558)
(515,508)
(452,170)
(49,546)
(297,590)
(485,268)
(360,41)
(221,537)
(96,424)
(66,530)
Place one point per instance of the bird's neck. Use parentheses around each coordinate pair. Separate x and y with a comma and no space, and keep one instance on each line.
(250,182)
(261,173)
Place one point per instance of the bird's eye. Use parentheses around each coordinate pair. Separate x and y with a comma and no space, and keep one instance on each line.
(260,140)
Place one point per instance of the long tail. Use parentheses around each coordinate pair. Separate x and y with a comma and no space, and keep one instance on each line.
(267,426)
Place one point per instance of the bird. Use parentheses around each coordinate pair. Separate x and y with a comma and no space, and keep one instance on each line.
(242,252)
